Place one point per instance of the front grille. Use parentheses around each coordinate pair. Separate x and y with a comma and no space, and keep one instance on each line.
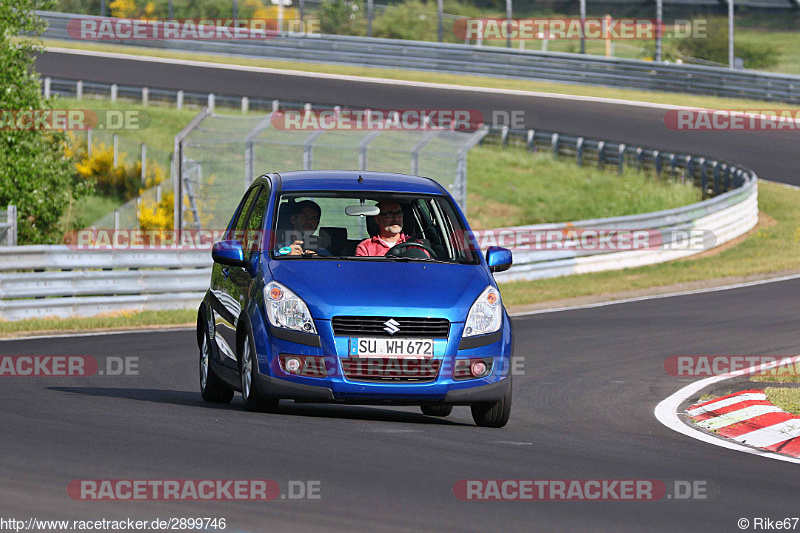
(359,326)
(391,369)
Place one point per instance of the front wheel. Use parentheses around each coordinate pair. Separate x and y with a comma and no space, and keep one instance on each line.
(493,415)
(253,401)
(212,389)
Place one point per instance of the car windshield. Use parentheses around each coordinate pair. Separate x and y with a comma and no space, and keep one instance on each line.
(370,227)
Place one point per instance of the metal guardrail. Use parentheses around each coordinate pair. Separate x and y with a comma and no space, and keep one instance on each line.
(8,226)
(484,60)
(42,281)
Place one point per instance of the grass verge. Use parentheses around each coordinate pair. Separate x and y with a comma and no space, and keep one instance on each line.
(513,187)
(786,399)
(176,317)
(431,77)
(772,247)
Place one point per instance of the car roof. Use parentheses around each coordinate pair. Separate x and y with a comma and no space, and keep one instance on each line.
(338,180)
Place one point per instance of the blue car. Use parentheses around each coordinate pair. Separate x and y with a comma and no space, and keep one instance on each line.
(355,288)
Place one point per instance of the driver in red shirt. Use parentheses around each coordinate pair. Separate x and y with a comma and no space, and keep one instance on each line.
(390,224)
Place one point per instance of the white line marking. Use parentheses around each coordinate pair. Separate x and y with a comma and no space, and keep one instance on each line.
(719,404)
(667,413)
(734,417)
(658,296)
(771,434)
(96,333)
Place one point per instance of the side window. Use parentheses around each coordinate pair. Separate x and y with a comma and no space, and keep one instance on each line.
(254,237)
(237,222)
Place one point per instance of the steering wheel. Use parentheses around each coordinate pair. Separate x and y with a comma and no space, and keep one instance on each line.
(397,249)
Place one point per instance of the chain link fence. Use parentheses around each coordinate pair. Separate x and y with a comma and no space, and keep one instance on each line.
(220,155)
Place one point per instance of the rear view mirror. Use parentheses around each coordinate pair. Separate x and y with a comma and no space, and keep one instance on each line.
(362,210)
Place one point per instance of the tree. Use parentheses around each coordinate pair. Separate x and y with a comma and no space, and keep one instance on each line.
(35,175)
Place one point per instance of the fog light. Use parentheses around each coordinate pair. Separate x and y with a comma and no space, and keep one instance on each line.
(477,369)
(293,365)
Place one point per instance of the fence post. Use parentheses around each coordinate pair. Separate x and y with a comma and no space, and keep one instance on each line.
(601,148)
(47,82)
(245,104)
(529,142)
(145,95)
(211,101)
(579,151)
(114,90)
(657,162)
(11,235)
(554,143)
(115,138)
(179,100)
(276,105)
(79,90)
(158,194)
(144,163)
(116,219)
(621,152)
(504,136)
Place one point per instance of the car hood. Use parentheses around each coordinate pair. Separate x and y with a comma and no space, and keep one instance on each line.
(333,288)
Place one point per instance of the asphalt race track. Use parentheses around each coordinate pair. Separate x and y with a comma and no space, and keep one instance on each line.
(583,406)
(582,410)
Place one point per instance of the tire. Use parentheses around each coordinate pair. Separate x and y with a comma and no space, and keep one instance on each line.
(493,415)
(441,409)
(212,389)
(252,400)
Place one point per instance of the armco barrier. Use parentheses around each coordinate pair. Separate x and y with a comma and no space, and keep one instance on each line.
(485,60)
(179,279)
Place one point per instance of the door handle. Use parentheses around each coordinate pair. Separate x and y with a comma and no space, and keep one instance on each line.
(226,272)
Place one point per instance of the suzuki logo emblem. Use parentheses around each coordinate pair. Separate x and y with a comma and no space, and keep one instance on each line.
(391,326)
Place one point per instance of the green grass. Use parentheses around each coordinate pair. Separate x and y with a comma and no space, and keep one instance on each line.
(431,77)
(179,317)
(163,122)
(786,399)
(769,249)
(512,187)
(87,210)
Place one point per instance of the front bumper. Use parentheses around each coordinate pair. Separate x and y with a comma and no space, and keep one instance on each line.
(273,382)
(270,387)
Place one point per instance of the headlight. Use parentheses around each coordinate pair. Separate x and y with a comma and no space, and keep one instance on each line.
(287,310)
(485,315)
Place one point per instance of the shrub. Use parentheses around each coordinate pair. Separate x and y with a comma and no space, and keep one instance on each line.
(714,47)
(35,174)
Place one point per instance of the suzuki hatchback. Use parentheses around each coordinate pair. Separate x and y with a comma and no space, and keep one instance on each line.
(355,287)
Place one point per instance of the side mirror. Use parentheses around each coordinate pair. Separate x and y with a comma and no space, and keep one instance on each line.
(228,253)
(498,258)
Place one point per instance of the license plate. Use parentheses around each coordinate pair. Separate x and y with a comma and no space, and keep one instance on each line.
(378,347)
